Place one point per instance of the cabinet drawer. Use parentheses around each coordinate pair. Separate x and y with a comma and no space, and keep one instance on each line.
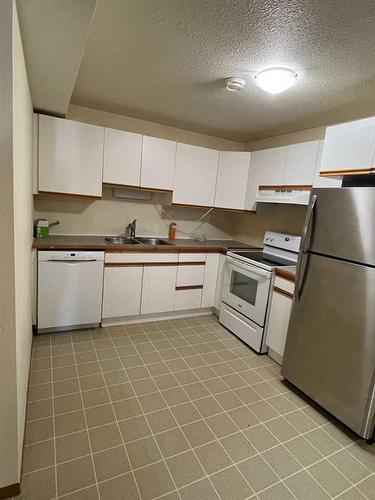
(187,299)
(284,284)
(191,257)
(141,257)
(190,275)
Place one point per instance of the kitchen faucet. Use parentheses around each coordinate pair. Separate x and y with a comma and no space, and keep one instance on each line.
(130,229)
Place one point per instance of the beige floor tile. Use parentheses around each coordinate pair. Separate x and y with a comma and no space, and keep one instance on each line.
(40,377)
(64,372)
(95,397)
(67,423)
(175,396)
(99,415)
(39,409)
(38,456)
(281,461)
(247,395)
(352,494)
(208,406)
(104,437)
(161,420)
(258,473)
(349,466)
(263,410)
(154,481)
(177,365)
(205,373)
(329,478)
(185,413)
(300,421)
(238,447)
(74,475)
(90,493)
(277,492)
(243,417)
(83,346)
(85,357)
(322,441)
(67,359)
(198,433)
(261,438)
(303,451)
(231,485)
(152,402)
(41,364)
(145,386)
(221,425)
(131,361)
(121,391)
(281,429)
(196,390)
(127,408)
(143,452)
(185,468)
(62,387)
(234,381)
(115,377)
(72,446)
(111,463)
(39,485)
(109,490)
(281,404)
(172,442)
(213,457)
(38,430)
(38,392)
(134,428)
(368,487)
(88,368)
(67,403)
(364,453)
(228,400)
(200,490)
(91,382)
(108,365)
(304,487)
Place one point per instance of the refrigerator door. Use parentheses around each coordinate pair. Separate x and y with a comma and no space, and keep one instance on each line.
(341,224)
(330,346)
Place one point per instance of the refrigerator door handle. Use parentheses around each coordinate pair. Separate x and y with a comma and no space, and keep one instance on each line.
(309,219)
(300,275)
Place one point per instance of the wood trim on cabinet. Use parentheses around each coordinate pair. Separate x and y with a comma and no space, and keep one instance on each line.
(296,187)
(11,490)
(282,292)
(282,273)
(238,210)
(190,287)
(356,171)
(148,264)
(136,188)
(185,205)
(72,195)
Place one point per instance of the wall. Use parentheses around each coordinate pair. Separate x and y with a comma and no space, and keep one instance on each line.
(8,386)
(23,217)
(311,134)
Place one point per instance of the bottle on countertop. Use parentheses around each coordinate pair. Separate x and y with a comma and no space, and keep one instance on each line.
(172,231)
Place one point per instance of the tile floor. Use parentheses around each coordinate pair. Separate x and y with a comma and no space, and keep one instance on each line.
(178,410)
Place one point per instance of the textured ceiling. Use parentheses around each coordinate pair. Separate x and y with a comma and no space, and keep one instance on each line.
(164,60)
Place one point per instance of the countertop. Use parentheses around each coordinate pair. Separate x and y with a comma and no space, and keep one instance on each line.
(287,272)
(60,242)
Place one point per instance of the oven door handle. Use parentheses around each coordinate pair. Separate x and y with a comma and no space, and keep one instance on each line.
(251,269)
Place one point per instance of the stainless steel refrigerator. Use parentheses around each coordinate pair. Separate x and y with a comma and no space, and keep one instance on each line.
(330,346)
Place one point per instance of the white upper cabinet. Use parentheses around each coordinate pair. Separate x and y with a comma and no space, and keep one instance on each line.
(267,168)
(349,146)
(301,163)
(195,175)
(232,175)
(70,157)
(122,157)
(158,160)
(324,181)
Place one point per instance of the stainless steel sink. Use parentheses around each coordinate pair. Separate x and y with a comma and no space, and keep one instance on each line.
(153,241)
(120,240)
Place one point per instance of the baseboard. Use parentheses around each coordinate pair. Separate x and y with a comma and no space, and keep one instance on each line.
(275,356)
(190,313)
(11,490)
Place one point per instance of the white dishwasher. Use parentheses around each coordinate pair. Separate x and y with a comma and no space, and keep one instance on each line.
(70,289)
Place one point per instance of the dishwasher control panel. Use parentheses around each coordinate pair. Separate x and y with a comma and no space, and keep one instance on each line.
(69,255)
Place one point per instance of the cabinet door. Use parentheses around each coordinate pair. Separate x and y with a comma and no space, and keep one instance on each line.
(158,159)
(232,175)
(122,157)
(267,168)
(159,283)
(324,181)
(219,284)
(349,146)
(195,175)
(190,275)
(278,322)
(210,279)
(70,157)
(187,299)
(122,291)
(301,163)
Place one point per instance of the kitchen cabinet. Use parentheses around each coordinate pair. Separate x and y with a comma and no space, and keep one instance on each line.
(122,157)
(195,176)
(281,305)
(158,290)
(219,282)
(187,299)
(349,147)
(70,157)
(232,176)
(324,181)
(210,279)
(158,161)
(122,291)
(301,163)
(190,275)
(267,168)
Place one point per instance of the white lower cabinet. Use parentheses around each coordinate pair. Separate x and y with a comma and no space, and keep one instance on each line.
(187,299)
(122,291)
(210,280)
(158,291)
(190,275)
(281,306)
(219,281)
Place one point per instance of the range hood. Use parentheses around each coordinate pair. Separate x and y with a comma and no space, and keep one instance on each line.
(293,195)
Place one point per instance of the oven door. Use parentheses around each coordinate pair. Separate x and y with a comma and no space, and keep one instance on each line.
(246,288)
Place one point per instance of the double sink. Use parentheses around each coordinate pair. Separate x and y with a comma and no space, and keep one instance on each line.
(122,240)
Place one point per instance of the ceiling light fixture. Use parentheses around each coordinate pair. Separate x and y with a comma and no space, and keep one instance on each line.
(234,84)
(276,80)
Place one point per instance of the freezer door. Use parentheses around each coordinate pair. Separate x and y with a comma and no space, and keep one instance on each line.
(330,346)
(341,224)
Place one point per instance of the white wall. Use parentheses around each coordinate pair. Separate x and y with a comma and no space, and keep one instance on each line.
(23,218)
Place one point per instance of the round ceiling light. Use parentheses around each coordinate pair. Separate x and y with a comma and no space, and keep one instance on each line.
(233,84)
(276,80)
